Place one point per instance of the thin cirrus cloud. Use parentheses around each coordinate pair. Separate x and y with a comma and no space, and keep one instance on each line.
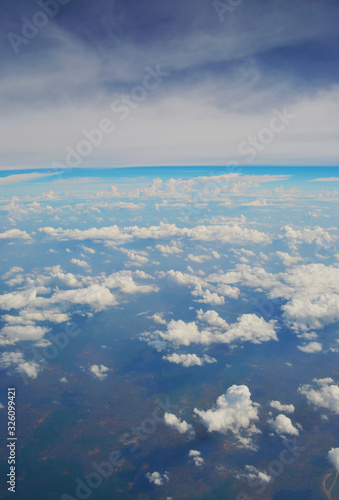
(224,79)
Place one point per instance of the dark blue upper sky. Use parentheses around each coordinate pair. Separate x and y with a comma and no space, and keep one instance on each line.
(225,73)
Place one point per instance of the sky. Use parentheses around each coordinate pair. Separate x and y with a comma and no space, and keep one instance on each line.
(125,83)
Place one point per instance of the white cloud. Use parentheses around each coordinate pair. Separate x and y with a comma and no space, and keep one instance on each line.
(311,347)
(14,269)
(287,259)
(248,328)
(137,258)
(180,425)
(197,458)
(81,263)
(251,328)
(199,259)
(316,235)
(283,425)
(188,360)
(212,318)
(14,234)
(9,335)
(99,371)
(208,297)
(280,407)
(169,249)
(88,250)
(227,233)
(96,296)
(157,318)
(16,359)
(64,380)
(157,478)
(333,456)
(325,396)
(311,291)
(253,474)
(233,412)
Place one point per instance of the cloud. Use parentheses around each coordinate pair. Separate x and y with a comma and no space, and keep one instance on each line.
(87,249)
(311,347)
(28,368)
(15,178)
(280,407)
(199,259)
(325,396)
(197,458)
(316,235)
(326,179)
(157,478)
(169,249)
(188,360)
(180,425)
(14,234)
(212,318)
(251,328)
(311,291)
(99,371)
(233,412)
(10,335)
(208,297)
(81,263)
(287,259)
(254,475)
(226,233)
(283,425)
(248,328)
(333,456)
(14,269)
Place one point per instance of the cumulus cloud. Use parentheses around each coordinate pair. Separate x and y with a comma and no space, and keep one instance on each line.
(233,412)
(251,328)
(99,371)
(180,425)
(169,249)
(316,235)
(248,328)
(88,250)
(227,233)
(81,263)
(333,456)
(283,425)
(280,407)
(10,335)
(197,458)
(157,478)
(311,347)
(16,359)
(326,394)
(14,234)
(311,291)
(253,474)
(188,360)
(96,296)
(287,259)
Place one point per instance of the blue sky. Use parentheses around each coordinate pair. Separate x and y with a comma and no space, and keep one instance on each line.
(219,82)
